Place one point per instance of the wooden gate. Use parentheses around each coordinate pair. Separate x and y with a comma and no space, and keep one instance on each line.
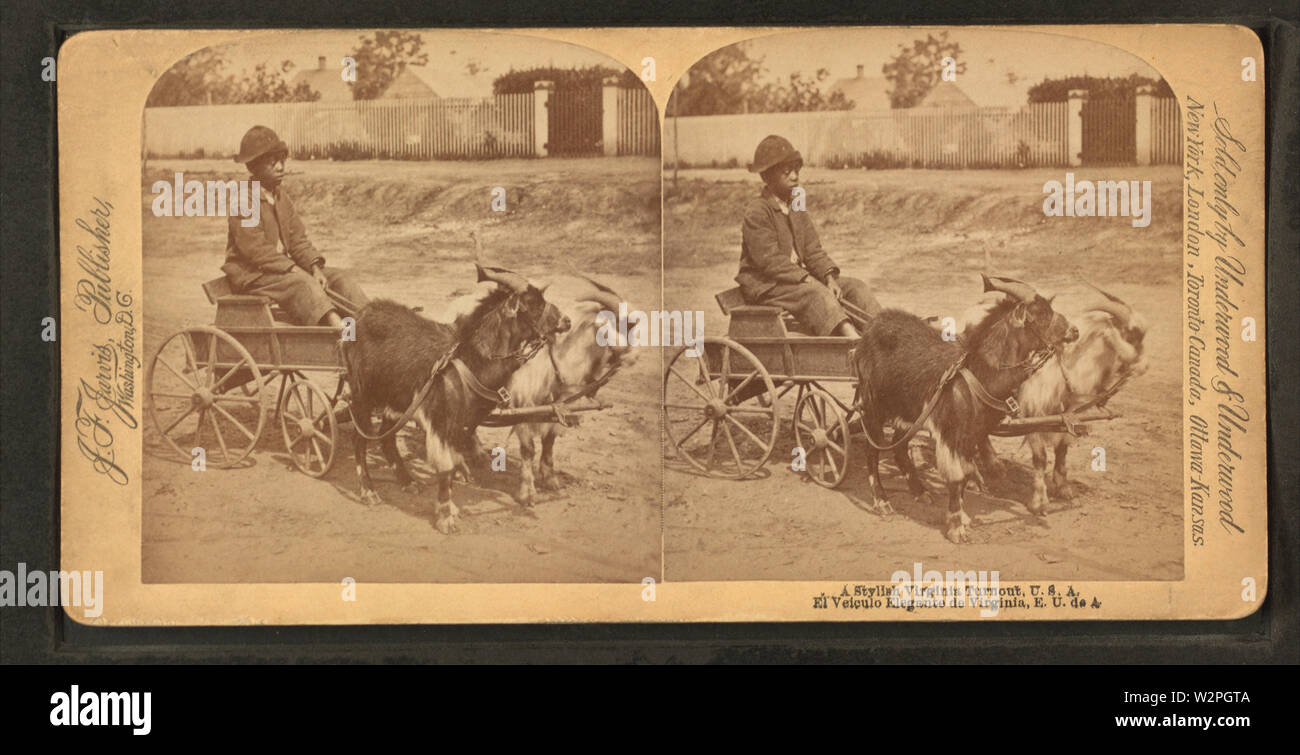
(574,121)
(1109,130)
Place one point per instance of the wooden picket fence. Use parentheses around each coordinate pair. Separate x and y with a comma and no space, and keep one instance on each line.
(638,122)
(1035,135)
(412,129)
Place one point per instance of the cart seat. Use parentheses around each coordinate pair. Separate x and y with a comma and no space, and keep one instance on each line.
(757,319)
(242,309)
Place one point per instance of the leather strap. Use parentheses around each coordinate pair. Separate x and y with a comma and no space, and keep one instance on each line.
(1008,406)
(498,397)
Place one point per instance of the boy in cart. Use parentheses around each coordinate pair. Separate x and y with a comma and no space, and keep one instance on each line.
(782,262)
(275,258)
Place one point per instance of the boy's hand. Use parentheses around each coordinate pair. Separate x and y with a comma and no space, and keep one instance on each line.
(319,275)
(834,286)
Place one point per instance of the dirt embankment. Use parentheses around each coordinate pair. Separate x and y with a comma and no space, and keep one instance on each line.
(611,206)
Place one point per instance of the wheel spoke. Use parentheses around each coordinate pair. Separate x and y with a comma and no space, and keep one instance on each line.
(684,407)
(237,423)
(702,363)
(186,396)
(713,444)
(177,421)
(689,384)
(748,432)
(835,468)
(297,440)
(198,429)
(176,372)
(735,452)
(233,399)
(751,410)
(805,429)
(322,436)
(190,358)
(297,399)
(221,439)
(832,444)
(319,455)
(703,422)
(741,386)
(226,376)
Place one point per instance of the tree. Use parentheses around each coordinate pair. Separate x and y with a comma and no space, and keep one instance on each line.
(800,95)
(381,58)
(200,79)
(564,79)
(190,81)
(725,81)
(1058,90)
(913,73)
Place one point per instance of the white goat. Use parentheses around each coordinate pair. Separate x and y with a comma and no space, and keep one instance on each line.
(1109,350)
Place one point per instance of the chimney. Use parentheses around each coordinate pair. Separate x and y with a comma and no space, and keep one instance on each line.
(320,64)
(860,69)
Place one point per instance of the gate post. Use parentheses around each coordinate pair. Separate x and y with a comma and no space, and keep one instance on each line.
(541,122)
(1142,130)
(1074,126)
(609,115)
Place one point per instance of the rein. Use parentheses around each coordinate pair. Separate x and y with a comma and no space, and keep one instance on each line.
(527,349)
(1034,361)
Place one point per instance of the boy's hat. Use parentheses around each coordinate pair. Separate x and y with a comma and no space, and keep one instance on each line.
(257,142)
(773,150)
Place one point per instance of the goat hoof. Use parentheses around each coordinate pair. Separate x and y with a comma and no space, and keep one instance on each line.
(550,484)
(370,498)
(884,508)
(448,524)
(525,498)
(958,535)
(1064,491)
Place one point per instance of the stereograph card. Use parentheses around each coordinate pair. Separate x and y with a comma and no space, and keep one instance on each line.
(646,325)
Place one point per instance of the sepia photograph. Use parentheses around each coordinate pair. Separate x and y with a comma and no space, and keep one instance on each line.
(374,267)
(941,273)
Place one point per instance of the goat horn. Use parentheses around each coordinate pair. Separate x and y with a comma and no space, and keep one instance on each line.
(1019,289)
(604,294)
(1113,306)
(502,276)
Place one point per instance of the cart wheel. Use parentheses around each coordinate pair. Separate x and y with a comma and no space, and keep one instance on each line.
(822,431)
(713,389)
(309,428)
(205,374)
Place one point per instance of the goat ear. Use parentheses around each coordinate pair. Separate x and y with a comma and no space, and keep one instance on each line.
(511,307)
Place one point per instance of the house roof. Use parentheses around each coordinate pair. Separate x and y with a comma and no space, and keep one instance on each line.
(327,81)
(407,85)
(947,94)
(865,93)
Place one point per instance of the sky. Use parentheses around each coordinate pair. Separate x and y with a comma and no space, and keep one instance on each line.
(449,54)
(989,57)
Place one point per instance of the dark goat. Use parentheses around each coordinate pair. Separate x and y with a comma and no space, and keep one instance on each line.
(900,362)
(396,350)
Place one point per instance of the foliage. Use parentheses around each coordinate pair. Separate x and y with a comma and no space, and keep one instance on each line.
(516,82)
(727,82)
(201,79)
(1058,90)
(913,73)
(381,58)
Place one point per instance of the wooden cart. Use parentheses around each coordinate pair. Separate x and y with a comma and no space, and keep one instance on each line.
(720,406)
